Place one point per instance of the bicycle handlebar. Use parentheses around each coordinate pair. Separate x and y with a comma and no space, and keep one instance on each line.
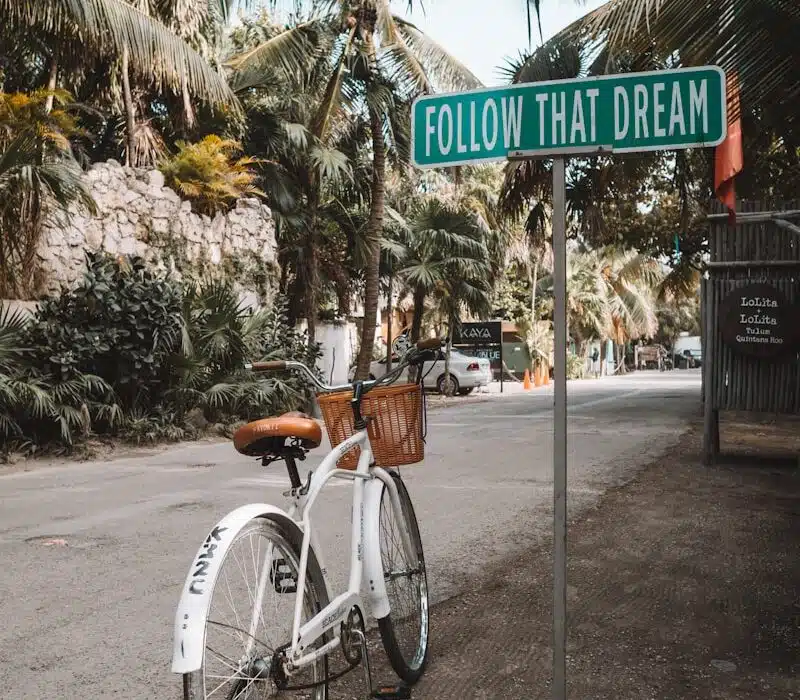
(271,366)
(282,365)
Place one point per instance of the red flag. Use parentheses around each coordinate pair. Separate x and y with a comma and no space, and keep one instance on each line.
(728,159)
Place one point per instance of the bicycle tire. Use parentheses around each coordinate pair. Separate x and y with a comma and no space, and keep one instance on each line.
(408,666)
(194,684)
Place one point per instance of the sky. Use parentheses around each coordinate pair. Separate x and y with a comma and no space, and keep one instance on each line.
(483,34)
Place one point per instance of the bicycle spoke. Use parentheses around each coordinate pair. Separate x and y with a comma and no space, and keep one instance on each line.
(242,638)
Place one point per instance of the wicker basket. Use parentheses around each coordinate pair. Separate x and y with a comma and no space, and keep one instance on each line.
(396,428)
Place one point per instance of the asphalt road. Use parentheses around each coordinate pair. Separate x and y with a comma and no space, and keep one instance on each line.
(94,554)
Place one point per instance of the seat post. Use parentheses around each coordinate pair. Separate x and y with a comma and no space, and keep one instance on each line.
(294,475)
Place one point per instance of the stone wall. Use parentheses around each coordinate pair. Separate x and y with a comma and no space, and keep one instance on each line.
(138,215)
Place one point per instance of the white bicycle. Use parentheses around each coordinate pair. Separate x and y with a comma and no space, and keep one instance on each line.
(256,617)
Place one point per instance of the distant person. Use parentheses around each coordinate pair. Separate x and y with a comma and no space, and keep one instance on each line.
(595,362)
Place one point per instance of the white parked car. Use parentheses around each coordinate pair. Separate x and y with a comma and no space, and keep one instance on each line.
(467,372)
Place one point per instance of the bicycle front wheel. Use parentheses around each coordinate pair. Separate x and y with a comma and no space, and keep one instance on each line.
(404,632)
(241,659)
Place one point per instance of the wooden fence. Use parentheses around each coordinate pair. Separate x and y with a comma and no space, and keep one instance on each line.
(760,248)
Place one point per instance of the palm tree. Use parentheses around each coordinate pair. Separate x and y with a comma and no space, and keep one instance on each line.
(313,166)
(632,282)
(611,295)
(596,187)
(442,256)
(753,39)
(477,190)
(120,38)
(379,60)
(39,181)
(757,39)
(531,251)
(109,28)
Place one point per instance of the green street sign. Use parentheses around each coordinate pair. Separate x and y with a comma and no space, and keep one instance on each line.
(627,112)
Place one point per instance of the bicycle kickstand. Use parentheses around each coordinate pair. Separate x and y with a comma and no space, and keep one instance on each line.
(384,691)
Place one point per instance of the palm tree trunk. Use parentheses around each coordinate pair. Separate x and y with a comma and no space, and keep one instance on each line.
(389,324)
(603,344)
(311,272)
(130,110)
(51,85)
(311,294)
(188,110)
(372,236)
(416,323)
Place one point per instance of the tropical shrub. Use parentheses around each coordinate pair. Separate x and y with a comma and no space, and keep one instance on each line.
(36,407)
(576,366)
(12,351)
(121,323)
(132,354)
(206,173)
(222,335)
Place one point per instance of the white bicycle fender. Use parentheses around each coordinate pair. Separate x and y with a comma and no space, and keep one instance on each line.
(190,618)
(373,585)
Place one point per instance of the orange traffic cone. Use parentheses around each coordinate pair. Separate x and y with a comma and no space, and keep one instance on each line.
(526,382)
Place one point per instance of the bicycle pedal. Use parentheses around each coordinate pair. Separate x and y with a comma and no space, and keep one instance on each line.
(392,692)
(282,577)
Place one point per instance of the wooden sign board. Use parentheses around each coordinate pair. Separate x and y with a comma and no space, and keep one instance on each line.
(482,339)
(758,320)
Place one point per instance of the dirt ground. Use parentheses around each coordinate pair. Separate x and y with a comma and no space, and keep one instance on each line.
(684,583)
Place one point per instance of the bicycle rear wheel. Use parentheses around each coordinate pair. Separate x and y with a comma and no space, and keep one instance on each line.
(239,659)
(404,632)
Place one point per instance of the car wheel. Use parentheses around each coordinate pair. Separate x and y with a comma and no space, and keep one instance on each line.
(441,384)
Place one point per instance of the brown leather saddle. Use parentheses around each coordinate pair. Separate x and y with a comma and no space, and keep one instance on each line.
(267,437)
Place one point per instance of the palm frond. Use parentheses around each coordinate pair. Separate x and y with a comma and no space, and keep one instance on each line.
(332,97)
(109,26)
(220,394)
(757,39)
(560,58)
(35,397)
(330,165)
(289,54)
(12,324)
(444,71)
(298,135)
(8,427)
(680,283)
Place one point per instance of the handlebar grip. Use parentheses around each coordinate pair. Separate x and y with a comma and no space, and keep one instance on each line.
(271,366)
(430,344)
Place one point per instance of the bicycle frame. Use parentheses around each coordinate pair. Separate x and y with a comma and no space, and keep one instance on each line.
(366,566)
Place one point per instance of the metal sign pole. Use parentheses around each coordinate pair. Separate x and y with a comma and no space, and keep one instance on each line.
(560,407)
(433,123)
(560,432)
